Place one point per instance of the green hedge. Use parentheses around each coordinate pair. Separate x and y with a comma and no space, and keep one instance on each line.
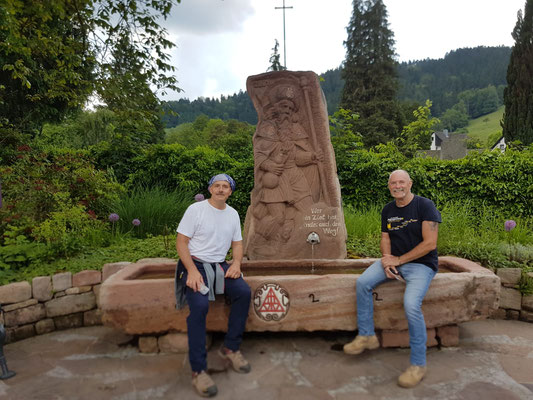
(175,167)
(504,181)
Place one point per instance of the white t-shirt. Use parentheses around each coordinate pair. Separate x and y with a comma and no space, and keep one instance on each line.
(210,230)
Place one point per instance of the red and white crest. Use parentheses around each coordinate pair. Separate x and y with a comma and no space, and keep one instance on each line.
(271,302)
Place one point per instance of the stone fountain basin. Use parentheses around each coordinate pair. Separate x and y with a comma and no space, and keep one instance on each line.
(301,295)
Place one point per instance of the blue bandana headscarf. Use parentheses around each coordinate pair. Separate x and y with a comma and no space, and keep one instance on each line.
(222,177)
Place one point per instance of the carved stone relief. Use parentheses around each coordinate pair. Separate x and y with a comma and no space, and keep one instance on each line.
(296,189)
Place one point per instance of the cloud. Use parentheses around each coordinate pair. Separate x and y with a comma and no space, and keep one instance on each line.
(207,17)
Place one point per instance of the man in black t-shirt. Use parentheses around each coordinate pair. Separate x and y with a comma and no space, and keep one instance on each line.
(409,232)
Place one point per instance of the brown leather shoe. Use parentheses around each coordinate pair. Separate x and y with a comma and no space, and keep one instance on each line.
(412,376)
(360,344)
(203,384)
(236,360)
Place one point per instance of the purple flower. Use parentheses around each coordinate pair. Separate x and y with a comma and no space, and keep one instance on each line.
(199,197)
(113,217)
(509,225)
(136,222)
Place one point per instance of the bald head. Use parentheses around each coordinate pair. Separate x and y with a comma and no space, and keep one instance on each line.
(400,173)
(400,187)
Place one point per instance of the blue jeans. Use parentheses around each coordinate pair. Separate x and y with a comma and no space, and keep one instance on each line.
(238,293)
(417,277)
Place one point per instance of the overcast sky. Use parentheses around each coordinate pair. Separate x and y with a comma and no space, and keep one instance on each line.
(222,42)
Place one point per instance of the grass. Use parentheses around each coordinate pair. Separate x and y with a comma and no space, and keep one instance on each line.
(475,233)
(124,248)
(157,209)
(486,126)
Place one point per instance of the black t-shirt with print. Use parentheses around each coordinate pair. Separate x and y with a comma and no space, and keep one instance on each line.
(404,226)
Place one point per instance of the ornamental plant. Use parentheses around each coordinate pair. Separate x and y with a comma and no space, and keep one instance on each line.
(39,183)
(509,225)
(113,218)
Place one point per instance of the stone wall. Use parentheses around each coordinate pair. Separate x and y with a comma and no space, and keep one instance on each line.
(512,304)
(68,300)
(62,301)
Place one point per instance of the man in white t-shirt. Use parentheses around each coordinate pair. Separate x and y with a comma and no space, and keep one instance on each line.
(205,233)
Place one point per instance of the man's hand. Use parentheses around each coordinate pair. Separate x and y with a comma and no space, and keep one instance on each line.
(234,271)
(195,280)
(390,262)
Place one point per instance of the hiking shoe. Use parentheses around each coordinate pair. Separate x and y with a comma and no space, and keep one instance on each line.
(236,359)
(360,344)
(412,376)
(203,384)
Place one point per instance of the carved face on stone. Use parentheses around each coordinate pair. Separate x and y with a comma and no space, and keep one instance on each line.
(285,109)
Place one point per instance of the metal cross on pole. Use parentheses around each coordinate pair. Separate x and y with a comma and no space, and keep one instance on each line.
(284,44)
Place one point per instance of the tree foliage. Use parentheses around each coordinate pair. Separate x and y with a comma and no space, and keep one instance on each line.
(518,96)
(417,134)
(56,53)
(237,106)
(275,65)
(47,61)
(444,79)
(370,73)
(455,117)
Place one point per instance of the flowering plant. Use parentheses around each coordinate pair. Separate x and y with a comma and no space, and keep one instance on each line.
(509,225)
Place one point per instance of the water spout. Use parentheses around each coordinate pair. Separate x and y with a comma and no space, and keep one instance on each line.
(313,239)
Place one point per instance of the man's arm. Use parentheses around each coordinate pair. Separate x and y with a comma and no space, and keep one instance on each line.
(194,277)
(234,271)
(385,248)
(430,234)
(384,245)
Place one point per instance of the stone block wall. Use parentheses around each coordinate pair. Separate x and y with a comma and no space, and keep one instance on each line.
(62,301)
(513,305)
(68,300)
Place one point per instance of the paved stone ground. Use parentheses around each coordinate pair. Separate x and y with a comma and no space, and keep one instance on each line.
(493,361)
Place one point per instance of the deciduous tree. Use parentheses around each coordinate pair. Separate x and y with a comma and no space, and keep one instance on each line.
(56,53)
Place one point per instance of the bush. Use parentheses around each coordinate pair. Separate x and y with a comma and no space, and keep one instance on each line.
(176,168)
(70,229)
(500,180)
(40,183)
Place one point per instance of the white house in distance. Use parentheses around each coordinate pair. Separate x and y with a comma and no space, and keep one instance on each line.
(500,145)
(447,146)
(437,138)
(451,146)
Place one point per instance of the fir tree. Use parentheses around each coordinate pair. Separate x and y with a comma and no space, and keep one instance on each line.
(518,95)
(275,65)
(370,73)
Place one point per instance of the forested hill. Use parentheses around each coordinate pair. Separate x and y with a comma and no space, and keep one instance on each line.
(237,106)
(441,81)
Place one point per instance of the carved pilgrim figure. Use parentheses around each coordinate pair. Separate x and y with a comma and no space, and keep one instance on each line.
(287,173)
(287,167)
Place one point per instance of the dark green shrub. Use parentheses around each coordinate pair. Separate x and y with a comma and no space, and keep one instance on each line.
(503,181)
(176,168)
(40,183)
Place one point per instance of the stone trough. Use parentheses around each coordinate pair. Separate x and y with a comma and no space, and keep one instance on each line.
(303,295)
